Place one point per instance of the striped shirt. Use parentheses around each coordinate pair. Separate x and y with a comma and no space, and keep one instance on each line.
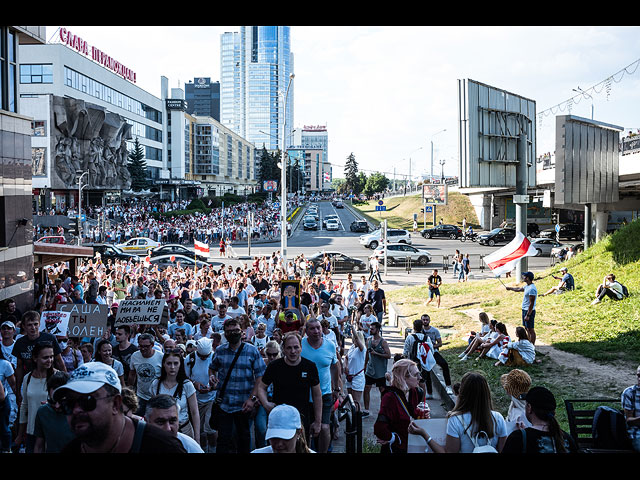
(247,369)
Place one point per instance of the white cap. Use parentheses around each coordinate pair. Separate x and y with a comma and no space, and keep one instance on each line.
(89,377)
(204,346)
(284,422)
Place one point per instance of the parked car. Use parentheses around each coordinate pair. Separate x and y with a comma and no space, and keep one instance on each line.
(544,246)
(339,262)
(359,226)
(108,251)
(59,239)
(139,245)
(176,249)
(398,253)
(372,240)
(571,231)
(332,224)
(497,235)
(309,223)
(449,231)
(164,261)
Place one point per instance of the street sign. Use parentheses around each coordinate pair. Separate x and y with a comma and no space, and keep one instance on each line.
(380,202)
(381,208)
(276,204)
(557,228)
(429,209)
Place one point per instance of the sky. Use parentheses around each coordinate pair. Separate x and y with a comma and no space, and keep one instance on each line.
(388,94)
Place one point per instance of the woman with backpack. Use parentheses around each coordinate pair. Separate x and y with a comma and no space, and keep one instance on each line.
(473,426)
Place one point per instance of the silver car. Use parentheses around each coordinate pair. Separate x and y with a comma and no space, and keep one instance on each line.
(544,246)
(398,253)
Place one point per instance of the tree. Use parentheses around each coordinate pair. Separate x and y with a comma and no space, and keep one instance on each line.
(339,185)
(138,168)
(376,183)
(360,183)
(351,174)
(268,167)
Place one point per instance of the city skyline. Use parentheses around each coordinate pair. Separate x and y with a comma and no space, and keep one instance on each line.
(383,92)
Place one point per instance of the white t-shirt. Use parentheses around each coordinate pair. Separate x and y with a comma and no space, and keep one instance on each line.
(189,444)
(455,428)
(199,373)
(183,402)
(366,322)
(147,370)
(236,312)
(356,359)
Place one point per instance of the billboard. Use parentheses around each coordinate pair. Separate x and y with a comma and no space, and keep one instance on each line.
(270,186)
(490,121)
(435,193)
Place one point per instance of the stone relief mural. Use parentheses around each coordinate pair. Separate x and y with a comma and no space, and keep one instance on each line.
(87,138)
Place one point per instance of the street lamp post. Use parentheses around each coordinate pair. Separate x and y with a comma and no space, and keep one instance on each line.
(431,171)
(579,90)
(80,204)
(283,179)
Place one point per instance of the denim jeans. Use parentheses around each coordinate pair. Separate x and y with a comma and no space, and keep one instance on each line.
(230,439)
(260,423)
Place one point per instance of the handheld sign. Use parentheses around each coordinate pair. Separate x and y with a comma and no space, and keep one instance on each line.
(135,312)
(85,319)
(54,322)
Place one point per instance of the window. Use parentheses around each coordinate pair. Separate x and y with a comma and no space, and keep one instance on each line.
(36,73)
(39,159)
(39,128)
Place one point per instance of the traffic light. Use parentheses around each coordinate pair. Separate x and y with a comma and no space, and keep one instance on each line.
(496,210)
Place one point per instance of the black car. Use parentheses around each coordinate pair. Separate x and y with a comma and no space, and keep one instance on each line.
(359,226)
(497,235)
(176,249)
(112,252)
(339,262)
(165,261)
(309,224)
(533,230)
(571,231)
(448,231)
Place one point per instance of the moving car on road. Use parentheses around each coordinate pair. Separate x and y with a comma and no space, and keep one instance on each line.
(571,231)
(398,253)
(359,226)
(394,235)
(448,231)
(497,235)
(176,249)
(309,223)
(332,224)
(165,261)
(331,216)
(339,262)
(139,245)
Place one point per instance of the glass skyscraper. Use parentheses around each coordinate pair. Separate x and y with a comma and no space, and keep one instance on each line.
(255,68)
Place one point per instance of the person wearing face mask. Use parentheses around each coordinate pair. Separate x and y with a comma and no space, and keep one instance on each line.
(236,387)
(70,354)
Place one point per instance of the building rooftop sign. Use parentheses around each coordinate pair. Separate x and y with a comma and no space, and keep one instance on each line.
(315,128)
(81,46)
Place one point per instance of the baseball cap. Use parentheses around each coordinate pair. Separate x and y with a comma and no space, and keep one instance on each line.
(8,323)
(89,377)
(540,397)
(564,269)
(528,274)
(283,422)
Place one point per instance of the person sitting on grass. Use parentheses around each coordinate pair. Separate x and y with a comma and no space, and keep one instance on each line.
(609,288)
(519,353)
(566,283)
(476,338)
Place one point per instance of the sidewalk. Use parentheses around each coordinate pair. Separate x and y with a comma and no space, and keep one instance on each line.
(396,344)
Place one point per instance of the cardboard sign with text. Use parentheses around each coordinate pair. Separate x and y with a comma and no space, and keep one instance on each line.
(54,322)
(137,312)
(85,319)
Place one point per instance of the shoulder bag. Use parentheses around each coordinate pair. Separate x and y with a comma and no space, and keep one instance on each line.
(216,409)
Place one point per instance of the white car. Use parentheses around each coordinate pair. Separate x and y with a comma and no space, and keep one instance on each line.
(544,246)
(138,245)
(395,235)
(332,224)
(398,253)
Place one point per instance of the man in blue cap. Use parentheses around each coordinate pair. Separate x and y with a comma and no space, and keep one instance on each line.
(528,304)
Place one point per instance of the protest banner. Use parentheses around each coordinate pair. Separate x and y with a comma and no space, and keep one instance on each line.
(136,312)
(86,319)
(54,322)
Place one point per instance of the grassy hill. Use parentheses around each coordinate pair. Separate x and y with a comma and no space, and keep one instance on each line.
(608,333)
(400,210)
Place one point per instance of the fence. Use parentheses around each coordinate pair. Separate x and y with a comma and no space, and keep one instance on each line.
(360,264)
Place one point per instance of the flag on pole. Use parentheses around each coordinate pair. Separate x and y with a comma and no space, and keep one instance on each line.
(201,248)
(504,260)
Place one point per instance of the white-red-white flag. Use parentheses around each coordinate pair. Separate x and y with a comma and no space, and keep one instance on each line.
(504,259)
(201,248)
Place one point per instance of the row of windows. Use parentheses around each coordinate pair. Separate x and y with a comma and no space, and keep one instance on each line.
(8,70)
(96,89)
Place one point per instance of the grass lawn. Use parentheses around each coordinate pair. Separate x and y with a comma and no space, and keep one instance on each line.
(608,332)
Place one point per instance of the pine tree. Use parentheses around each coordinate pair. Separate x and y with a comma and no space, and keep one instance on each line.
(138,168)
(351,173)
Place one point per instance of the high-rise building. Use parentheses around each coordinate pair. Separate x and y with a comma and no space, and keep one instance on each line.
(255,67)
(203,97)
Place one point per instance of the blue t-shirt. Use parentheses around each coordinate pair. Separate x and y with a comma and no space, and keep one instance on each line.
(188,329)
(323,357)
(568,281)
(529,290)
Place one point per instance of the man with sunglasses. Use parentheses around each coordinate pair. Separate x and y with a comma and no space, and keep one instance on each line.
(146,366)
(92,401)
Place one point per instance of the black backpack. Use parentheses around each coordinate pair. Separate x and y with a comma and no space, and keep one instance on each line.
(625,291)
(609,429)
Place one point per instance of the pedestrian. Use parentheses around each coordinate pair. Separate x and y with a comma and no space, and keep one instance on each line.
(323,353)
(436,339)
(8,385)
(92,400)
(285,432)
(354,366)
(456,264)
(145,367)
(238,366)
(197,370)
(528,304)
(434,281)
(163,411)
(51,429)
(378,301)
(379,354)
(398,407)
(544,435)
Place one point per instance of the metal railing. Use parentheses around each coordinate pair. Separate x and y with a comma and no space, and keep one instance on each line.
(349,411)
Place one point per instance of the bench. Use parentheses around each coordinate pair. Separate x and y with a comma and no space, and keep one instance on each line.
(581,423)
